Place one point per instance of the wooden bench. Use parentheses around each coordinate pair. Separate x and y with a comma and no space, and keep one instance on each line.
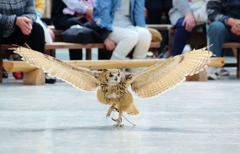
(35,76)
(199,39)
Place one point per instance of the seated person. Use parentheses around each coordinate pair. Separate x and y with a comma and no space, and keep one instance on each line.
(60,18)
(48,33)
(182,19)
(157,13)
(18,25)
(125,25)
(223,26)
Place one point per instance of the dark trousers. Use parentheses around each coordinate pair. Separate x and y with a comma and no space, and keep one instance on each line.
(35,39)
(155,9)
(180,38)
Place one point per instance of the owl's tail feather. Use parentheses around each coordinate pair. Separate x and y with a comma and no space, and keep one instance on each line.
(133,111)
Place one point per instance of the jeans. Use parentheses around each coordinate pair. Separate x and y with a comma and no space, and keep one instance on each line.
(180,38)
(217,34)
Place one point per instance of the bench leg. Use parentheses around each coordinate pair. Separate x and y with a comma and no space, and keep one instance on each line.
(35,77)
(238,63)
(50,52)
(1,67)
(201,76)
(88,54)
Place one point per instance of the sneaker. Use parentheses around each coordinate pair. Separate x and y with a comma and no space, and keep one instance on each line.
(18,75)
(50,80)
(224,72)
(4,74)
(212,73)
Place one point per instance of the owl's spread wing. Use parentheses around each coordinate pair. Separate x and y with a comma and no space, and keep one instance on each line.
(81,78)
(169,73)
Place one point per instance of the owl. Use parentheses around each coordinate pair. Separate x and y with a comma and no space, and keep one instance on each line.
(112,85)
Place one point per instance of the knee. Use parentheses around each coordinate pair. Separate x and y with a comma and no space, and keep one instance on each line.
(144,35)
(216,28)
(131,37)
(37,30)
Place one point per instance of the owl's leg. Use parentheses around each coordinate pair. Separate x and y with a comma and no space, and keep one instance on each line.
(119,119)
(118,112)
(110,111)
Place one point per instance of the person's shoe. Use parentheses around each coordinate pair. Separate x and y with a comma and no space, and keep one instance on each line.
(212,73)
(4,74)
(18,75)
(224,72)
(50,80)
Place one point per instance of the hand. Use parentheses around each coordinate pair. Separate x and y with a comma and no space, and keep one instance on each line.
(24,24)
(89,13)
(235,25)
(189,21)
(110,45)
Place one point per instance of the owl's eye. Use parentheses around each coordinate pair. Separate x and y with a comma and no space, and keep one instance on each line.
(118,74)
(110,75)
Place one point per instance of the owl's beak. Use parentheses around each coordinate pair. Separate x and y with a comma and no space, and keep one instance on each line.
(116,78)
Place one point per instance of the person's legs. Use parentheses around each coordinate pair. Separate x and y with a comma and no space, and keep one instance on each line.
(75,54)
(2,71)
(143,44)
(17,37)
(103,54)
(1,34)
(125,39)
(35,39)
(217,34)
(180,38)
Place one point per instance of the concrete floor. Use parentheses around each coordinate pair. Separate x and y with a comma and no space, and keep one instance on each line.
(193,118)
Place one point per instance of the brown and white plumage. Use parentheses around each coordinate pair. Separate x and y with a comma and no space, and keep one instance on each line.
(112,84)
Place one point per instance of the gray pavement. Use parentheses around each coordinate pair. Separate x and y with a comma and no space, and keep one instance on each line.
(193,118)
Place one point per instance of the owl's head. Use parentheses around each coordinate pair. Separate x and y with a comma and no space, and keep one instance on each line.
(113,76)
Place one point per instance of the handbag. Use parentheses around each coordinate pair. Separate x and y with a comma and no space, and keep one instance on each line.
(82,31)
(198,8)
(80,34)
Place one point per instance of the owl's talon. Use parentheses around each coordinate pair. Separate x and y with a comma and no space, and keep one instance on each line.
(114,119)
(120,125)
(107,116)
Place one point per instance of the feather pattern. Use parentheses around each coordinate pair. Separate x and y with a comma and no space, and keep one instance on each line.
(80,78)
(166,75)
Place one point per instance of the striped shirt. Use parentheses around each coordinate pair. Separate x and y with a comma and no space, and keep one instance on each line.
(221,10)
(11,9)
